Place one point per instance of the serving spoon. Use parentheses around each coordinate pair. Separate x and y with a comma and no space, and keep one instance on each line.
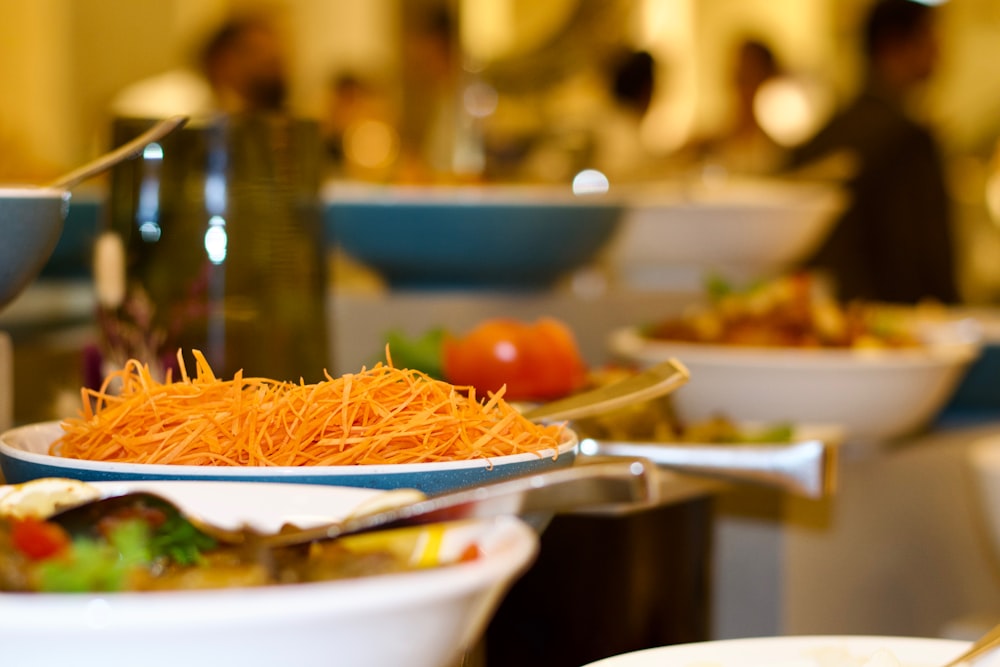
(985,644)
(653,382)
(573,487)
(126,151)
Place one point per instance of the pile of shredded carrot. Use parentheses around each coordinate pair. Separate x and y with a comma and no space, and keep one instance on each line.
(377,416)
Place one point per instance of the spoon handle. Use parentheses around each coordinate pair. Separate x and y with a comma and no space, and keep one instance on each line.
(124,152)
(807,468)
(988,642)
(651,383)
(574,487)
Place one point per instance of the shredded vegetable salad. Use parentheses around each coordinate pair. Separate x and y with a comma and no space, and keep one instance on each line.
(381,415)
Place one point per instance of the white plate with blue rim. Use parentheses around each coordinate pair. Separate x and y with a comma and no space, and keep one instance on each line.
(24,455)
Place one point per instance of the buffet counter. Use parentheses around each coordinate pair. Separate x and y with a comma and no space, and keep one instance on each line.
(899,550)
(902,549)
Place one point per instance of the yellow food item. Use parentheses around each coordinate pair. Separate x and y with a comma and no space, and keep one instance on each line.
(792,311)
(40,498)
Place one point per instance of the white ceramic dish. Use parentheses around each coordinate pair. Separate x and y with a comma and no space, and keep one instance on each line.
(418,619)
(874,395)
(24,456)
(804,651)
(674,236)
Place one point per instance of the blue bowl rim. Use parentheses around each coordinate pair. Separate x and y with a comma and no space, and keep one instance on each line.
(24,192)
(568,447)
(514,195)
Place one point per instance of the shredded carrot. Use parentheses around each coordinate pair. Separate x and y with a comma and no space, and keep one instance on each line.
(380,415)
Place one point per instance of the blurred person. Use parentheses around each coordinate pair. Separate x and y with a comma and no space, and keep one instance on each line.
(244,63)
(240,67)
(431,60)
(597,121)
(745,146)
(895,241)
(619,150)
(742,146)
(359,128)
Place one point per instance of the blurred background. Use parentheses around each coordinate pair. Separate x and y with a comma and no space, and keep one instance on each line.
(651,91)
(536,78)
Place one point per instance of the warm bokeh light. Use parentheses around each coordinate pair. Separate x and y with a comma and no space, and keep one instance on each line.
(480,99)
(499,29)
(790,109)
(590,182)
(153,151)
(216,240)
(371,144)
(993,196)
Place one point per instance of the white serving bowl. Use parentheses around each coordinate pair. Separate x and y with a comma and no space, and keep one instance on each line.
(801,651)
(673,236)
(24,456)
(419,619)
(874,395)
(31,222)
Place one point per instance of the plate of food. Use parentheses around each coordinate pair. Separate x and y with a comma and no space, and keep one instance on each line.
(408,596)
(797,651)
(383,427)
(787,351)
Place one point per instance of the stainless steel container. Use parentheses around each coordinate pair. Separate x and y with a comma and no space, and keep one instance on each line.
(219,232)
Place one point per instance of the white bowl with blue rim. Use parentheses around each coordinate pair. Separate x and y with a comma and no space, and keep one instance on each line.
(24,455)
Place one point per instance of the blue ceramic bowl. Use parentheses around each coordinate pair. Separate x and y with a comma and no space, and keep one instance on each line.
(522,237)
(73,255)
(24,457)
(31,222)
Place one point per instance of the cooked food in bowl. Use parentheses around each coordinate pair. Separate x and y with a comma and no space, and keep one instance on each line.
(785,352)
(791,311)
(421,617)
(141,547)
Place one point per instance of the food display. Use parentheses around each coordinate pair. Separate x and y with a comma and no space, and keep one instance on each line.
(414,596)
(786,351)
(141,547)
(791,311)
(528,361)
(656,420)
(381,415)
(540,360)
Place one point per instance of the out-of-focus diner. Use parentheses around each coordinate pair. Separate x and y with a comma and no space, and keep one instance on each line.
(622,332)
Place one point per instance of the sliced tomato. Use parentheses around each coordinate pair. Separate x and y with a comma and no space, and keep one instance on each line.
(38,539)
(535,361)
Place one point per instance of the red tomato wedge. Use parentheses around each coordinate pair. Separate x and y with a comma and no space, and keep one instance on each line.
(38,539)
(536,361)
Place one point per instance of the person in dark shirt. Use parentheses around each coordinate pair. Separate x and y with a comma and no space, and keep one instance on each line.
(894,242)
